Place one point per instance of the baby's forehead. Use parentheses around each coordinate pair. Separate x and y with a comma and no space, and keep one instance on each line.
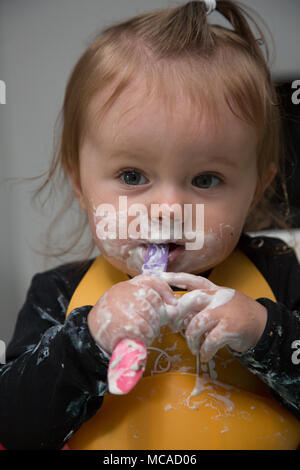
(138,117)
(171,100)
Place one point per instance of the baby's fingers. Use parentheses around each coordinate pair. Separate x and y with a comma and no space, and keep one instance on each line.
(159,285)
(215,340)
(187,281)
(202,323)
(189,305)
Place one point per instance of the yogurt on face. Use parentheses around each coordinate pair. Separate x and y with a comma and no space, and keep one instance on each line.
(131,251)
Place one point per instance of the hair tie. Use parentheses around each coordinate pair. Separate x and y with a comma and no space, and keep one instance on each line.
(211,5)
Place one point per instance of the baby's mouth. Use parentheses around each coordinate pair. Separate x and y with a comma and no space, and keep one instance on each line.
(175,250)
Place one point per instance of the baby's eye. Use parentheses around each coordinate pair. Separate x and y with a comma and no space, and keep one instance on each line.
(132,177)
(205,181)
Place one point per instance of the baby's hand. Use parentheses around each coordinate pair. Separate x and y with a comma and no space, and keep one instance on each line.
(227,316)
(132,309)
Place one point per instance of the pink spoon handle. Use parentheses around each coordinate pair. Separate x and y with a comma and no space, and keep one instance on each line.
(128,360)
(126,367)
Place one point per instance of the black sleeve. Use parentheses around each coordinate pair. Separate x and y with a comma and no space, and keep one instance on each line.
(276,357)
(55,376)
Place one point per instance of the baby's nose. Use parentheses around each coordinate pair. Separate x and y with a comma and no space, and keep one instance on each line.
(170,211)
(169,195)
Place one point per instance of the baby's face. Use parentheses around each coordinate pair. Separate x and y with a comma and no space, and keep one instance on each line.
(151,157)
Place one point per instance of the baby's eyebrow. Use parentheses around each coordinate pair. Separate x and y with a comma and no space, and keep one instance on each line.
(141,154)
(225,161)
(124,152)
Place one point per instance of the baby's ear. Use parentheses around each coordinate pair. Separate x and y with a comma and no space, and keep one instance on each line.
(75,179)
(264,183)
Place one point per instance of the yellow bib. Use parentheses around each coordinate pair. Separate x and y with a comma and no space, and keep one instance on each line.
(223,406)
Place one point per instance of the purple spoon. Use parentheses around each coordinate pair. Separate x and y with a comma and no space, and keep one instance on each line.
(156,260)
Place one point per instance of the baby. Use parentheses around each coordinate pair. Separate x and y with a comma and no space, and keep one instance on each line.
(165,109)
(143,157)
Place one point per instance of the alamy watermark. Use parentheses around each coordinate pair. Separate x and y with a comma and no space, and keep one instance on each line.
(296,94)
(162,227)
(2,352)
(296,354)
(2,92)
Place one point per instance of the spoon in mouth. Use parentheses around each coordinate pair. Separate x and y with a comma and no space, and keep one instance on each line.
(128,361)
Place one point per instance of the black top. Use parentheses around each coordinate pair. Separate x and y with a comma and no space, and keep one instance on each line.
(56,375)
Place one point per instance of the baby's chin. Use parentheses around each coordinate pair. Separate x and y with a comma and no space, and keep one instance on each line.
(128,258)
(131,260)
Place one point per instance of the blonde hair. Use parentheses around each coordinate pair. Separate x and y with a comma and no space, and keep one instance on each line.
(178,46)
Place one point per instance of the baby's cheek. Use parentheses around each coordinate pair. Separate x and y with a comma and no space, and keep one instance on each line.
(105,230)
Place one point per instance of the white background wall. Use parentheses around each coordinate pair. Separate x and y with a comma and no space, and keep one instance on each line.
(40,40)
